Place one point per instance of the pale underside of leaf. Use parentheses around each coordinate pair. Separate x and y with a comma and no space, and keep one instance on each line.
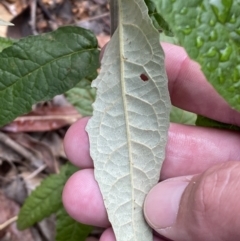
(128,130)
(5,23)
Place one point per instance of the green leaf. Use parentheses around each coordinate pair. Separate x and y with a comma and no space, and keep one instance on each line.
(68,169)
(46,199)
(168,39)
(70,230)
(207,122)
(178,115)
(5,23)
(82,99)
(210,32)
(157,19)
(128,130)
(5,42)
(37,68)
(83,95)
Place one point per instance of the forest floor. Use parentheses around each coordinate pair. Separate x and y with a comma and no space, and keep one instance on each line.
(31,147)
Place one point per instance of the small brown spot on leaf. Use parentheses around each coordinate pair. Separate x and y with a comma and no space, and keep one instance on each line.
(144,77)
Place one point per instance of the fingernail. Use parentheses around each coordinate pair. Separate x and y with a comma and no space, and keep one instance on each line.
(162,203)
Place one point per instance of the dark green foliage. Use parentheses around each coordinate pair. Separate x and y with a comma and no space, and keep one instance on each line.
(158,21)
(46,199)
(70,230)
(207,122)
(210,33)
(5,42)
(37,68)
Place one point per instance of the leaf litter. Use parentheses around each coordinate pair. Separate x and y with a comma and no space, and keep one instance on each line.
(31,146)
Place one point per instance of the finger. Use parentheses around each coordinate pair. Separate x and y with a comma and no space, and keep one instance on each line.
(190,90)
(83,201)
(76,144)
(204,207)
(190,149)
(108,235)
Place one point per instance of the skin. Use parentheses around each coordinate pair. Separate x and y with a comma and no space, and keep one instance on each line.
(197,198)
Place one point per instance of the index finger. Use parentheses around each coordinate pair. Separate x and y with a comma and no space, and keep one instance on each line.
(189,89)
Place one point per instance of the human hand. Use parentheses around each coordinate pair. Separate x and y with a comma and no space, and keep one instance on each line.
(200,189)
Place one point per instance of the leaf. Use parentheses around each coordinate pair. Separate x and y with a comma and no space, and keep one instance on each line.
(82,99)
(207,122)
(37,68)
(5,23)
(70,230)
(128,130)
(210,32)
(5,42)
(82,96)
(45,200)
(85,83)
(157,19)
(168,39)
(178,115)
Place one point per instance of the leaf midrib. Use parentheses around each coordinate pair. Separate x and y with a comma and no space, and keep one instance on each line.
(123,87)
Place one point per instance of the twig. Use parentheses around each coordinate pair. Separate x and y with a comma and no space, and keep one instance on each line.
(33,6)
(8,222)
(45,10)
(10,7)
(93,18)
(70,119)
(36,172)
(52,21)
(19,149)
(114,15)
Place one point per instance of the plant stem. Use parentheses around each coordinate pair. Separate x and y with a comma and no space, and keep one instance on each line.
(114,15)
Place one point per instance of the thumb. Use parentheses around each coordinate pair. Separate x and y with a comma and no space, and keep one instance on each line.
(201,207)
